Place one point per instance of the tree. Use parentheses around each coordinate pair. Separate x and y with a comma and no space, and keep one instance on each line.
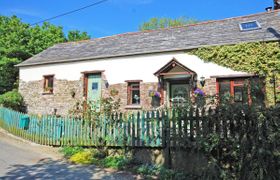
(158,23)
(40,38)
(8,74)
(20,41)
(76,35)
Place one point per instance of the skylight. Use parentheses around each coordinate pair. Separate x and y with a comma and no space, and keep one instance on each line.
(248,26)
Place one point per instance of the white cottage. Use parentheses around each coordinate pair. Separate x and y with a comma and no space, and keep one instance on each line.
(144,69)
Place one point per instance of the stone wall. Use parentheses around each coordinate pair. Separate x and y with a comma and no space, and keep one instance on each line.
(210,87)
(145,99)
(183,159)
(38,102)
(177,158)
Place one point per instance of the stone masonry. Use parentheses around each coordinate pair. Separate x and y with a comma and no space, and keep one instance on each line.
(145,99)
(210,87)
(62,99)
(66,94)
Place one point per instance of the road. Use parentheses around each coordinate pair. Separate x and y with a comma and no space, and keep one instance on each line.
(21,159)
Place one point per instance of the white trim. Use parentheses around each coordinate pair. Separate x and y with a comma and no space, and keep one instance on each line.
(251,29)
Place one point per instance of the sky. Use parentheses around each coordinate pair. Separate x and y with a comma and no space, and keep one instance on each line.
(121,16)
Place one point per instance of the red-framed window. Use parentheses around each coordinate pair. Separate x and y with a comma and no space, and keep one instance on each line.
(237,88)
(133,92)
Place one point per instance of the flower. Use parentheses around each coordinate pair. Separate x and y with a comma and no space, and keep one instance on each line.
(199,92)
(157,94)
(154,93)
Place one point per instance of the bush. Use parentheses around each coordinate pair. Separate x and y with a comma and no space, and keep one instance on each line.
(70,151)
(161,172)
(13,100)
(83,157)
(78,155)
(116,162)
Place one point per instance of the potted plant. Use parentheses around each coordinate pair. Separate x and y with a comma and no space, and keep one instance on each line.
(114,92)
(155,98)
(48,90)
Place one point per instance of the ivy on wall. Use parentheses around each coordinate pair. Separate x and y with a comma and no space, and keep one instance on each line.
(261,58)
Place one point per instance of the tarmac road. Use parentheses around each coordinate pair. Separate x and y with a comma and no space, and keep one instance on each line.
(21,159)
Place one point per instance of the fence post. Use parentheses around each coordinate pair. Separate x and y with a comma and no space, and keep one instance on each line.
(191,123)
(133,130)
(167,150)
(138,129)
(143,129)
(157,129)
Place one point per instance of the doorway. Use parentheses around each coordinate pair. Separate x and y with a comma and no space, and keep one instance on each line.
(179,93)
(93,89)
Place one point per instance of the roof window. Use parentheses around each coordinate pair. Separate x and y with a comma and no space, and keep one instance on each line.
(248,26)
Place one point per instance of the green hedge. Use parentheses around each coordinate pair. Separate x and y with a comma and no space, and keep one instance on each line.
(13,100)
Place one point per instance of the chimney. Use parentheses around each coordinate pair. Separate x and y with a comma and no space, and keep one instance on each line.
(276,4)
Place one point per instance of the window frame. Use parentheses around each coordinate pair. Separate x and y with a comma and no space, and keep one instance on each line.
(250,29)
(130,90)
(46,86)
(241,82)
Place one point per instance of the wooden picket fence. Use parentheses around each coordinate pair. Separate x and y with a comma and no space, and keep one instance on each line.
(142,129)
(131,130)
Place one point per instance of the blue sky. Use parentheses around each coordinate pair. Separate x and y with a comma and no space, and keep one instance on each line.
(120,16)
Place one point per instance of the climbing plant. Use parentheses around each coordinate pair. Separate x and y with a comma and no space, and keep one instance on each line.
(261,58)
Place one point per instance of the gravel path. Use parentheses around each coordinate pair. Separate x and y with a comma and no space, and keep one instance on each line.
(20,159)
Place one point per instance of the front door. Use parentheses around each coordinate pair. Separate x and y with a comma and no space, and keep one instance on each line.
(179,94)
(94,90)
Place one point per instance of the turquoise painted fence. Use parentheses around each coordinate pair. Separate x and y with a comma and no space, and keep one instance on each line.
(142,129)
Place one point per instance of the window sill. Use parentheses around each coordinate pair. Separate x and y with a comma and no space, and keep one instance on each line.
(133,106)
(47,93)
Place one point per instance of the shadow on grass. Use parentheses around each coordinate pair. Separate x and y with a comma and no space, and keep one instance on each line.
(50,169)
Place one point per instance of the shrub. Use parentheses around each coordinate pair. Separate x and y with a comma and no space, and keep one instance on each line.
(83,157)
(116,162)
(70,151)
(148,170)
(13,100)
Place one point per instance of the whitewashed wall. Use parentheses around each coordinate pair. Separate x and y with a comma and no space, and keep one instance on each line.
(117,70)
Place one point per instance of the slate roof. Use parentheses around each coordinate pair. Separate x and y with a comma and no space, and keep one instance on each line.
(208,33)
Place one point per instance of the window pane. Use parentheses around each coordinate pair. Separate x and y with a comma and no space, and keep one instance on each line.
(133,93)
(135,86)
(224,89)
(135,97)
(246,26)
(238,93)
(50,82)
